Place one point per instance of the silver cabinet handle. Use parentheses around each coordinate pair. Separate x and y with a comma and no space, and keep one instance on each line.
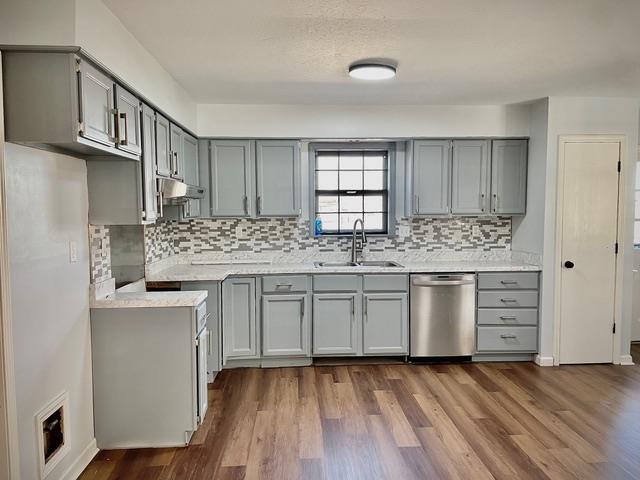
(495,202)
(116,125)
(482,202)
(245,204)
(177,170)
(125,141)
(508,282)
(366,310)
(508,300)
(259,204)
(353,309)
(302,308)
(416,204)
(508,317)
(160,204)
(284,285)
(508,335)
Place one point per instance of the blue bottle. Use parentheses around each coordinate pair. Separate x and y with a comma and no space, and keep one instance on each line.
(318,227)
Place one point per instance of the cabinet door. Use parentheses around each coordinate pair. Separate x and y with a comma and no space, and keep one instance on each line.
(386,324)
(177,152)
(285,326)
(231,178)
(335,324)
(239,318)
(97,105)
(431,177)
(470,177)
(201,349)
(278,178)
(163,146)
(149,194)
(509,177)
(128,112)
(190,160)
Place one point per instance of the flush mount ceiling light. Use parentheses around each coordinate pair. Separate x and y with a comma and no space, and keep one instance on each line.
(372,71)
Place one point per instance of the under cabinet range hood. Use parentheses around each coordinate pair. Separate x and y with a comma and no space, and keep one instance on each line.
(175,192)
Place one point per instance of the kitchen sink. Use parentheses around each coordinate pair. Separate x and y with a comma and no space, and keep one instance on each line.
(372,263)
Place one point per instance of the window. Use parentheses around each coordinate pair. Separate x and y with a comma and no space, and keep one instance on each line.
(636,223)
(351,185)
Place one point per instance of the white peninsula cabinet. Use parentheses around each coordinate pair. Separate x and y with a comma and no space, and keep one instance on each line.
(149,374)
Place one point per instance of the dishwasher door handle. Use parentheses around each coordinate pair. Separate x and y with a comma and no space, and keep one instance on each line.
(436,283)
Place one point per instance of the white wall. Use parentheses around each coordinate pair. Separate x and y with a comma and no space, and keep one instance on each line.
(355,121)
(48,206)
(101,33)
(37,22)
(635,317)
(577,115)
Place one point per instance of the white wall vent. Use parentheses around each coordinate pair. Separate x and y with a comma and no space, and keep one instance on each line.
(52,433)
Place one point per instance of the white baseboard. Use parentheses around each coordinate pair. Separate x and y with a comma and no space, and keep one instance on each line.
(543,361)
(77,467)
(626,360)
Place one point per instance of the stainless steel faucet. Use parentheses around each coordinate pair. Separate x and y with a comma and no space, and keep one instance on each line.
(356,248)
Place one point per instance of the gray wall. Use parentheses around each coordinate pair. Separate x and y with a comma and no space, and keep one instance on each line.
(47,207)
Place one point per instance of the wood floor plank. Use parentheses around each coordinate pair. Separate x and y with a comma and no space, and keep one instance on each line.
(399,421)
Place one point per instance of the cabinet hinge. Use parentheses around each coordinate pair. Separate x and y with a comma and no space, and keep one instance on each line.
(77,65)
(614,327)
(616,248)
(619,166)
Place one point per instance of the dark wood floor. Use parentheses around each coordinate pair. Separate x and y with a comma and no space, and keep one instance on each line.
(470,421)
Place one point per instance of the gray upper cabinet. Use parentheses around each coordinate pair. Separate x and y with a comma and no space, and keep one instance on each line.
(163,146)
(278,178)
(149,194)
(386,324)
(470,177)
(240,335)
(285,325)
(177,152)
(509,177)
(128,117)
(231,178)
(190,157)
(97,114)
(431,177)
(335,323)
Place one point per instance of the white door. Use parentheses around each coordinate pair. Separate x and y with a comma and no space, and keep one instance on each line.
(589,230)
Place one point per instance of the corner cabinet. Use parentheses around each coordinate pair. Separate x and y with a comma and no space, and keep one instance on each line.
(239,326)
(231,178)
(509,177)
(431,177)
(277,178)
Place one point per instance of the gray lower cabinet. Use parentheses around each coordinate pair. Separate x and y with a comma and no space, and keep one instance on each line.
(509,177)
(470,177)
(277,178)
(431,177)
(285,326)
(231,178)
(335,325)
(240,329)
(386,324)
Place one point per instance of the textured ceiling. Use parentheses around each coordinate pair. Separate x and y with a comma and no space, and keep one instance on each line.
(447,51)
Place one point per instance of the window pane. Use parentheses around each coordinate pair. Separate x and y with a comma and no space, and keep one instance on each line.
(327,180)
(374,203)
(350,160)
(374,180)
(351,203)
(347,220)
(327,161)
(329,221)
(375,161)
(374,221)
(327,203)
(351,180)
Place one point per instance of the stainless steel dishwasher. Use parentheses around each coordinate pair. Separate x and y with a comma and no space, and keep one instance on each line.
(443,315)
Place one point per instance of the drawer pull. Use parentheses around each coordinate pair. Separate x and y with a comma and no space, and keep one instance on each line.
(508,317)
(508,282)
(508,300)
(508,335)
(284,285)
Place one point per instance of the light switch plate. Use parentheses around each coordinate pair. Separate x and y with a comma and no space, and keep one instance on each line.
(73,251)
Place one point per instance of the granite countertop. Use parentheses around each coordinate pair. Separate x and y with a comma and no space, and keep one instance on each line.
(184,272)
(150,299)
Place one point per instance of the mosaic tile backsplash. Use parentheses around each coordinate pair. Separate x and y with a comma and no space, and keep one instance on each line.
(285,235)
(100,262)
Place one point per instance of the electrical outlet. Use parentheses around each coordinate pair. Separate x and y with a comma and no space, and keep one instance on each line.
(476,231)
(73,251)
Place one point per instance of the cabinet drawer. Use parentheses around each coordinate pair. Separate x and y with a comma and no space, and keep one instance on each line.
(508,299)
(502,316)
(507,339)
(336,283)
(508,280)
(284,284)
(386,283)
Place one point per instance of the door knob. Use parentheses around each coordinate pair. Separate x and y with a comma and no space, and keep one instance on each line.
(568,264)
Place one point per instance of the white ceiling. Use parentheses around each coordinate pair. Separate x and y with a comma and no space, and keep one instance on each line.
(448,51)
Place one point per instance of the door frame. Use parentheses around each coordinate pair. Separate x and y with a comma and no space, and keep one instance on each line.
(563,140)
